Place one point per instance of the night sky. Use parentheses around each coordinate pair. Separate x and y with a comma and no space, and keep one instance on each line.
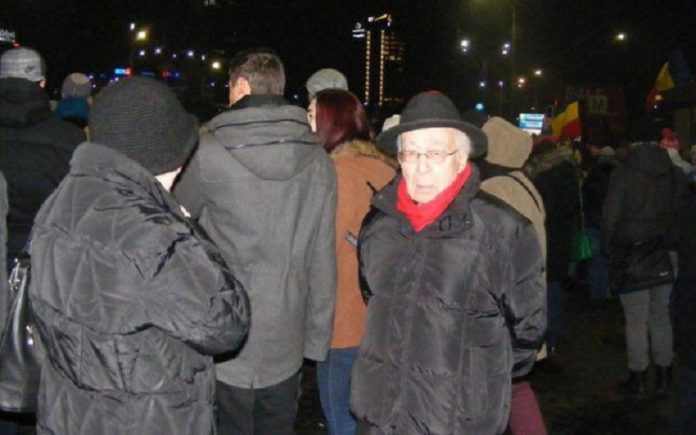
(571,40)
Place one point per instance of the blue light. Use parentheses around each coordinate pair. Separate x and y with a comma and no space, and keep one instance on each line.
(479,107)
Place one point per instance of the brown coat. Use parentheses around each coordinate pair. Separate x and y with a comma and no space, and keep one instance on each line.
(357,164)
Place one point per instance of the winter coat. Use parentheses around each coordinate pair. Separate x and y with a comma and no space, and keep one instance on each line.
(35,151)
(4,289)
(642,199)
(502,177)
(594,191)
(130,301)
(265,192)
(554,176)
(685,286)
(454,311)
(360,168)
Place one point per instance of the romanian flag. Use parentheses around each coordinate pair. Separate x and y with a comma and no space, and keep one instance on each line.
(567,122)
(674,72)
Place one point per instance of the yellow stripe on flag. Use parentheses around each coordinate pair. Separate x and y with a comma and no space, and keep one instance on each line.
(664,79)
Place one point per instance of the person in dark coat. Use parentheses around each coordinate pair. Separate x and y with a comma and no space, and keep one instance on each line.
(594,191)
(453,279)
(131,299)
(35,146)
(640,207)
(265,190)
(553,173)
(684,302)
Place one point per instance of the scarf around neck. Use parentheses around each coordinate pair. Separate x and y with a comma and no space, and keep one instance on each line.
(422,215)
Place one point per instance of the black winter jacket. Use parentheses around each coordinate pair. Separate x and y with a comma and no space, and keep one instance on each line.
(35,151)
(453,312)
(554,176)
(131,300)
(594,191)
(642,199)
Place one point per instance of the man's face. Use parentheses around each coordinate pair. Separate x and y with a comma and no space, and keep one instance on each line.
(425,179)
(312,114)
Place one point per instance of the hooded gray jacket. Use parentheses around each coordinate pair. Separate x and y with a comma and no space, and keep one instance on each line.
(265,192)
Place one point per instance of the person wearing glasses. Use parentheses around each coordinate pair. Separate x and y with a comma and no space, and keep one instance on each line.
(454,284)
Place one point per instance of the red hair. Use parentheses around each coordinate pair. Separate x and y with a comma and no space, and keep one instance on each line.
(340,117)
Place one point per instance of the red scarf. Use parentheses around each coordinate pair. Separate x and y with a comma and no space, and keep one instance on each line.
(422,215)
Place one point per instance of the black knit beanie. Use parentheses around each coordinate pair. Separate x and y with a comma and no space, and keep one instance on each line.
(142,119)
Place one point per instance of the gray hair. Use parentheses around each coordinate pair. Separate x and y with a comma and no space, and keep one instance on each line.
(460,139)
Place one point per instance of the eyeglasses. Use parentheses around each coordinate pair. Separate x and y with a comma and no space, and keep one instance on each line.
(433,156)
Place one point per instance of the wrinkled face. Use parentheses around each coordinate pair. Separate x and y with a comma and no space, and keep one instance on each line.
(312,114)
(425,178)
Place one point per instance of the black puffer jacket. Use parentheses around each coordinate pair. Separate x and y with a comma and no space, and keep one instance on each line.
(130,302)
(642,199)
(35,151)
(454,311)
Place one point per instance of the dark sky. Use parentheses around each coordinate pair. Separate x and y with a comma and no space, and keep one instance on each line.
(570,40)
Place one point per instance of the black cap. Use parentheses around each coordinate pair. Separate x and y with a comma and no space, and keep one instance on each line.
(142,119)
(432,109)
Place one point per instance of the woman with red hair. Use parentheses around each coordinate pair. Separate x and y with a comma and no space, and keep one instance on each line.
(340,122)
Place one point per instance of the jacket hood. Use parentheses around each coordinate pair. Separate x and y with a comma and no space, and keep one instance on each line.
(269,137)
(508,145)
(548,160)
(649,159)
(363,148)
(22,103)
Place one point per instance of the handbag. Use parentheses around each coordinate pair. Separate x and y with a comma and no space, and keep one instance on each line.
(19,365)
(641,264)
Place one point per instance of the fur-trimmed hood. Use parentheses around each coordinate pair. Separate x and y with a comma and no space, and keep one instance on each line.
(364,148)
(548,160)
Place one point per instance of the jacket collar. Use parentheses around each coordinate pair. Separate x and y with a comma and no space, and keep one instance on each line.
(95,159)
(361,148)
(455,220)
(259,101)
(22,103)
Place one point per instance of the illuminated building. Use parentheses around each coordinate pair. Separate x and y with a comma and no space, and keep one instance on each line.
(383,59)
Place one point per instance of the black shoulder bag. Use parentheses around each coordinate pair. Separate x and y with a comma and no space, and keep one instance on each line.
(19,366)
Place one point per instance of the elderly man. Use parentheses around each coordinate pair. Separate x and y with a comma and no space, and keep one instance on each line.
(454,281)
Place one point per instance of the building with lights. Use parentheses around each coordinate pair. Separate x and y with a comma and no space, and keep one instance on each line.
(382,53)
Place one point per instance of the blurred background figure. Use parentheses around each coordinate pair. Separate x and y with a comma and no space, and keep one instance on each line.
(340,121)
(325,78)
(76,94)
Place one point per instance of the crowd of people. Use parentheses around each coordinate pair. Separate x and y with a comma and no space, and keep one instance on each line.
(182,273)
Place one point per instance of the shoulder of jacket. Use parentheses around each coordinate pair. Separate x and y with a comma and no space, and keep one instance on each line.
(495,210)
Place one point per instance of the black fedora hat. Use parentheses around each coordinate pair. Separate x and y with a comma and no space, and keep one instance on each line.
(432,109)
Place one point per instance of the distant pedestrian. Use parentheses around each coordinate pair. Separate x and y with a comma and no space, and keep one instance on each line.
(594,191)
(552,170)
(35,147)
(76,94)
(637,222)
(325,78)
(340,121)
(131,299)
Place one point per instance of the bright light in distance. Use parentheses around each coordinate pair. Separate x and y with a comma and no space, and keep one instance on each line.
(158,50)
(506,45)
(203,57)
(538,72)
(190,53)
(521,81)
(501,83)
(132,26)
(142,53)
(141,35)
(621,36)
(482,84)
(174,56)
(465,45)
(216,65)
(505,52)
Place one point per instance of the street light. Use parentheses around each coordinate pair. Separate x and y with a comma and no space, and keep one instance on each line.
(620,37)
(538,72)
(465,45)
(216,65)
(141,35)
